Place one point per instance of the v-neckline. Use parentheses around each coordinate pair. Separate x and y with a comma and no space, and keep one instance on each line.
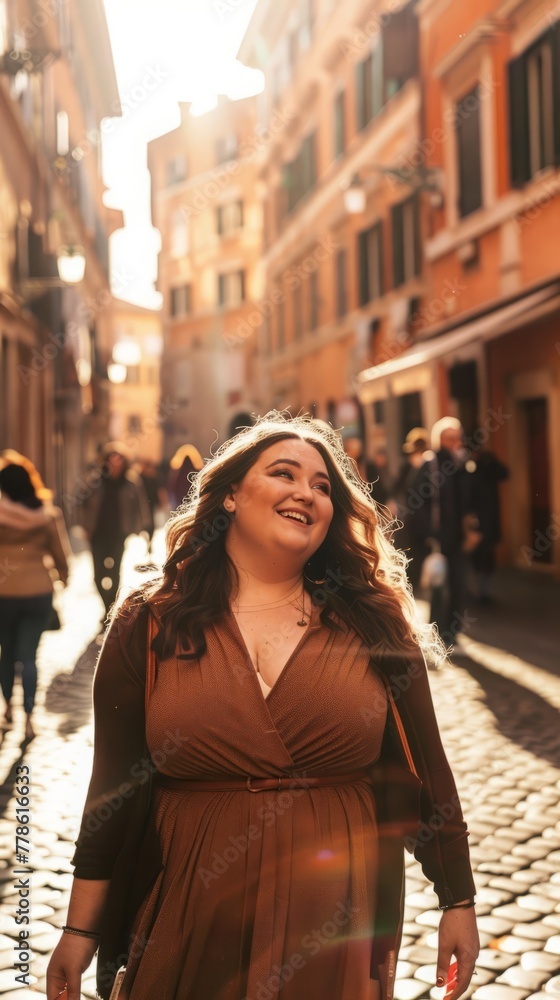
(309,627)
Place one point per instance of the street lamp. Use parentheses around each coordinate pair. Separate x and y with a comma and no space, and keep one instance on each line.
(354,197)
(116,373)
(419,178)
(127,352)
(71,263)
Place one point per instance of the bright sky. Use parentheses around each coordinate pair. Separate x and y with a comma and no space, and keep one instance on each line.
(165,51)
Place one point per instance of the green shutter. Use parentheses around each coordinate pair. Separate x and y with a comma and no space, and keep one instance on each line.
(360,96)
(363,268)
(520,160)
(377,94)
(554,36)
(398,245)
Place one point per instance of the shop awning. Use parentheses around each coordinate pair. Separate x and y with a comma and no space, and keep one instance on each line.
(488,326)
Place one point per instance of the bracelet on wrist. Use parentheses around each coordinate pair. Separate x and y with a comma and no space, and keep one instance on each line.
(459,906)
(78,930)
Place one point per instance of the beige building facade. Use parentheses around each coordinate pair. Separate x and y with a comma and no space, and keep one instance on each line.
(206,205)
(137,410)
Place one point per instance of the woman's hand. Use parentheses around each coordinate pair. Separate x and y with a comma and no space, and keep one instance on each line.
(70,959)
(457,935)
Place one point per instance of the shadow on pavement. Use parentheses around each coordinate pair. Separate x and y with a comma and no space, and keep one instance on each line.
(70,692)
(521,715)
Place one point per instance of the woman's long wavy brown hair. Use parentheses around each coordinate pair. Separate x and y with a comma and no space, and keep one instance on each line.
(372,594)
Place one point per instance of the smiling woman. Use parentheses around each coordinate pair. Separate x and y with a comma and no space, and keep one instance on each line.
(265,856)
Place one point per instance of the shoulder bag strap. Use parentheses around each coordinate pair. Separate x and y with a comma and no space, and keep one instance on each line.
(399,724)
(150,659)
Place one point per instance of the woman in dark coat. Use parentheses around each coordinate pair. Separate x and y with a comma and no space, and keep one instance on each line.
(261,765)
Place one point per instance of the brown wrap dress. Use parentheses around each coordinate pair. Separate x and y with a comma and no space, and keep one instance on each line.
(268,894)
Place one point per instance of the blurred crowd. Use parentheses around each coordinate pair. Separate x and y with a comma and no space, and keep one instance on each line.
(442,507)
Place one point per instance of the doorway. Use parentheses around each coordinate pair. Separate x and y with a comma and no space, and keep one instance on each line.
(537,423)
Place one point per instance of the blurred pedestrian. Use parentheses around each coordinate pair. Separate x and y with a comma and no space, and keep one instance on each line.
(116,507)
(441,495)
(414,447)
(379,475)
(186,461)
(32,532)
(148,473)
(488,473)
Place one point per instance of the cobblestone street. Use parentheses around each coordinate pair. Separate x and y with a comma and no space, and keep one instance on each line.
(499,720)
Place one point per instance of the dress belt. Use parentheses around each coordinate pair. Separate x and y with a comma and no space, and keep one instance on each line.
(251,784)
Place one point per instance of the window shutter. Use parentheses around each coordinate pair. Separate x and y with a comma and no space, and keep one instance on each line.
(398,245)
(380,237)
(377,90)
(417,237)
(242,285)
(360,95)
(554,36)
(469,153)
(221,289)
(520,163)
(219,220)
(363,268)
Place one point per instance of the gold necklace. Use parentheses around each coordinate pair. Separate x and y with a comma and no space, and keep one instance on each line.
(273,605)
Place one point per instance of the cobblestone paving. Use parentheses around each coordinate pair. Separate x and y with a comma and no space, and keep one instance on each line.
(503,742)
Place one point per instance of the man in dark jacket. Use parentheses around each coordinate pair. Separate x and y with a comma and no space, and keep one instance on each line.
(489,472)
(115,507)
(440,499)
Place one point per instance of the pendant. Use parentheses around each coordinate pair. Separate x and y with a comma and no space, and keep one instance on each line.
(302,622)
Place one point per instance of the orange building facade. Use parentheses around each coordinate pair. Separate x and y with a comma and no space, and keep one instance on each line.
(486,343)
(340,282)
(206,204)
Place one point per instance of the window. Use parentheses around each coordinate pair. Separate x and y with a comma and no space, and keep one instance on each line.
(389,65)
(298,177)
(400,50)
(468,152)
(339,123)
(229,218)
(534,108)
(179,234)
(181,303)
(176,170)
(298,311)
(369,86)
(370,257)
(226,148)
(379,411)
(134,423)
(231,289)
(340,283)
(314,300)
(406,241)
